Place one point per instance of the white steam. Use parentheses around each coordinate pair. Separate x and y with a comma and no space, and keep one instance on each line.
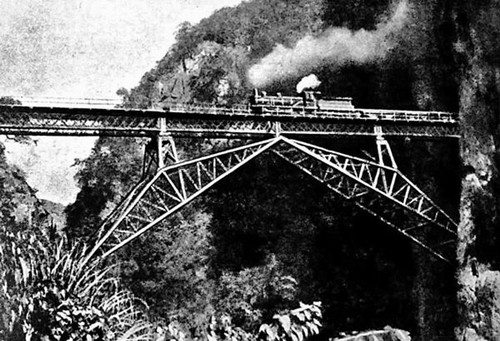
(308,82)
(334,47)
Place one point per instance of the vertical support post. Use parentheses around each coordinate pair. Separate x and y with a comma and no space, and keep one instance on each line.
(159,144)
(159,150)
(277,128)
(169,150)
(384,152)
(148,160)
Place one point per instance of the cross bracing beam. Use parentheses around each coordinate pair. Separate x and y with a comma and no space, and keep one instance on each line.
(120,210)
(237,122)
(381,190)
(371,186)
(170,189)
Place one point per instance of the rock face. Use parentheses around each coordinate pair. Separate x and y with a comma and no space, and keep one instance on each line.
(478,27)
(19,205)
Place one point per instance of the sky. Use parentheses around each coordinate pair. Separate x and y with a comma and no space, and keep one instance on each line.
(81,48)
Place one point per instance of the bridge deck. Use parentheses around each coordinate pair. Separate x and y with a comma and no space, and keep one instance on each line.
(234,122)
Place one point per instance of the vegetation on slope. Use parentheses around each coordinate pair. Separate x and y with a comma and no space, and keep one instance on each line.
(46,291)
(51,291)
(281,220)
(478,257)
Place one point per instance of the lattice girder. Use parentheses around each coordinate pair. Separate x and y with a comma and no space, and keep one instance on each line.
(170,189)
(371,186)
(120,209)
(238,122)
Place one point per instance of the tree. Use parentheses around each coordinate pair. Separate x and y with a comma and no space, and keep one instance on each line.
(9,101)
(218,76)
(253,295)
(105,178)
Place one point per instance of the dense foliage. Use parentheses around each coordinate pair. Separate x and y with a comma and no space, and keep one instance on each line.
(235,263)
(48,291)
(53,292)
(104,178)
(241,249)
(218,51)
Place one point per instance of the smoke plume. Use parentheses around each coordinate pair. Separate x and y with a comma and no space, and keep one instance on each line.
(308,82)
(334,47)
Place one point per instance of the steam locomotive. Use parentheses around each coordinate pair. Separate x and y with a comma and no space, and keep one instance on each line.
(307,102)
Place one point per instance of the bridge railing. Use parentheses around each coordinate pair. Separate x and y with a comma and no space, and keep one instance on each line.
(65,102)
(246,109)
(209,109)
(368,114)
(410,115)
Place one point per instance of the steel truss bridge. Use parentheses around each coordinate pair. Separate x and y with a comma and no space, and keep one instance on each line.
(377,186)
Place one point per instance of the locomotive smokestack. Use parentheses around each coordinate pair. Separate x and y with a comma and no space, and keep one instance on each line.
(308,82)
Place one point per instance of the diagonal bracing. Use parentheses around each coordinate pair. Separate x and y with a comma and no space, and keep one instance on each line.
(378,189)
(170,189)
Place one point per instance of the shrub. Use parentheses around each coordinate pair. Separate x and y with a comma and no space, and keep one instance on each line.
(52,293)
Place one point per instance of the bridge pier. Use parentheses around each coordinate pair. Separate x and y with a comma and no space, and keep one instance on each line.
(158,152)
(384,152)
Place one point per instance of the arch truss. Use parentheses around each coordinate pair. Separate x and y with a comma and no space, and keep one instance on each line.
(378,188)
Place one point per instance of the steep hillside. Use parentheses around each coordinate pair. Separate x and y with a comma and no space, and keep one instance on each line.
(19,205)
(221,48)
(478,26)
(268,218)
(210,62)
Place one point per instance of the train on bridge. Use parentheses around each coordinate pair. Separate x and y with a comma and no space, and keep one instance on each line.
(312,103)
(308,102)
(307,106)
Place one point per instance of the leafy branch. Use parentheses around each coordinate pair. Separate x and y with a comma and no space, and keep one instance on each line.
(296,325)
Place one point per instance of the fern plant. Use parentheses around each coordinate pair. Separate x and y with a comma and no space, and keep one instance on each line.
(51,293)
